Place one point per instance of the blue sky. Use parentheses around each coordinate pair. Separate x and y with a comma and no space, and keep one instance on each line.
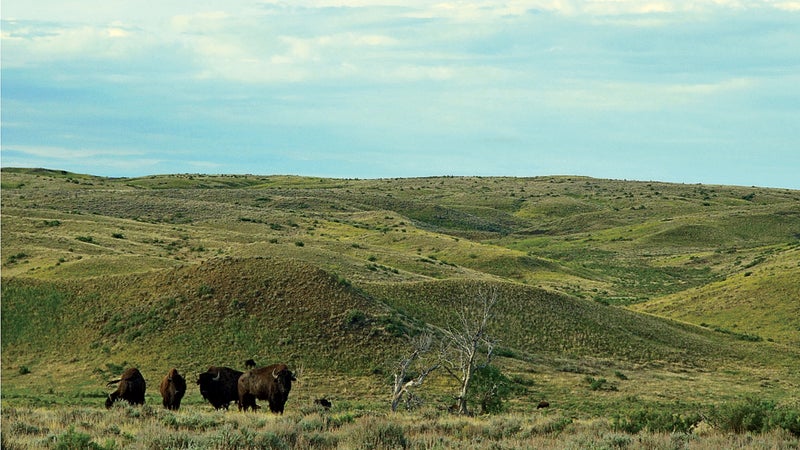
(701,91)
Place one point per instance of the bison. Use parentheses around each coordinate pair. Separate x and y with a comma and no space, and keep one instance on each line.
(250,364)
(543,404)
(270,383)
(173,387)
(323,402)
(218,385)
(131,388)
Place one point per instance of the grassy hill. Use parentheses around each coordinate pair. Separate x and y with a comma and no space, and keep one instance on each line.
(648,284)
(760,302)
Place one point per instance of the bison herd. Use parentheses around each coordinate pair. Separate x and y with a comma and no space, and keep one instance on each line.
(218,385)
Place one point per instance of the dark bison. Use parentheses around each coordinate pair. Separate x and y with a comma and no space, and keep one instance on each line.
(271,383)
(218,386)
(543,404)
(250,364)
(324,402)
(173,387)
(131,388)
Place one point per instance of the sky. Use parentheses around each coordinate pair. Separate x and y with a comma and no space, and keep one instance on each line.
(704,91)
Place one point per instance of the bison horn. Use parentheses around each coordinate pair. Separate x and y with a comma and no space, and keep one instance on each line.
(274,375)
(216,378)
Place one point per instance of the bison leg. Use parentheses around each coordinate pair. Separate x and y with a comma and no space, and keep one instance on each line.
(276,406)
(247,401)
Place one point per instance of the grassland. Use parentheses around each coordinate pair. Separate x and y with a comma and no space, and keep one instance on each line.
(680,298)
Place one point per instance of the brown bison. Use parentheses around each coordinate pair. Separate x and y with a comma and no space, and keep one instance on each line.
(543,404)
(218,385)
(173,387)
(270,383)
(131,388)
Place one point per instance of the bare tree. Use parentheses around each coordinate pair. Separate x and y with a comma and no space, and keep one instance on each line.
(402,387)
(464,341)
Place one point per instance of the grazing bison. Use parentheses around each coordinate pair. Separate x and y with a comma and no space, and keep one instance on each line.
(131,388)
(218,385)
(270,383)
(543,404)
(173,387)
(324,402)
(250,364)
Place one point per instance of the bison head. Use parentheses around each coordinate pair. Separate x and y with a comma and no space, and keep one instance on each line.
(283,379)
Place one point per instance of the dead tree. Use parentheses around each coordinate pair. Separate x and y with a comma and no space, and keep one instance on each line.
(464,342)
(402,386)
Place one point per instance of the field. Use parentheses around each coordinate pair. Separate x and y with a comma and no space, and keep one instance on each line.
(646,314)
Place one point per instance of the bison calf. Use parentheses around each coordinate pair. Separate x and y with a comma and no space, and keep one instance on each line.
(173,387)
(324,402)
(131,388)
(270,383)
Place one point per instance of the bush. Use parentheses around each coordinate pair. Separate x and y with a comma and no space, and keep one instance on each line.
(655,420)
(490,389)
(355,318)
(75,440)
(789,420)
(600,384)
(749,415)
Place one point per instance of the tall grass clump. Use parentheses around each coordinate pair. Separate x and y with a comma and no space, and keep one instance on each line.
(373,433)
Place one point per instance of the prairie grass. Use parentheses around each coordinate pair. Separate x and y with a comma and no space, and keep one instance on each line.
(193,270)
(125,427)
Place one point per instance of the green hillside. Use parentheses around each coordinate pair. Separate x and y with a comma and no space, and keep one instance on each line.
(596,277)
(763,301)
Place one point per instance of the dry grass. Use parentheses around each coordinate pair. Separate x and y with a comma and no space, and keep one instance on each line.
(198,427)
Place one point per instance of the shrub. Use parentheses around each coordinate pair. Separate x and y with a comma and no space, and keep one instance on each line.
(355,318)
(490,389)
(789,420)
(655,420)
(749,415)
(75,440)
(600,384)
(16,258)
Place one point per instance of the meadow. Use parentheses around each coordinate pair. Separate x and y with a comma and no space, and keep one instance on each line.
(148,427)
(647,314)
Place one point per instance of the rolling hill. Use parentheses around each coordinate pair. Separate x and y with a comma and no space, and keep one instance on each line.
(671,282)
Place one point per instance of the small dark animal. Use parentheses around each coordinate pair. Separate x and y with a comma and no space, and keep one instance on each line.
(219,385)
(131,388)
(173,387)
(250,364)
(324,402)
(270,383)
(543,404)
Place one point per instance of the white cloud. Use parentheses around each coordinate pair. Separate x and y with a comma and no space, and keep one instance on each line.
(64,153)
(583,95)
